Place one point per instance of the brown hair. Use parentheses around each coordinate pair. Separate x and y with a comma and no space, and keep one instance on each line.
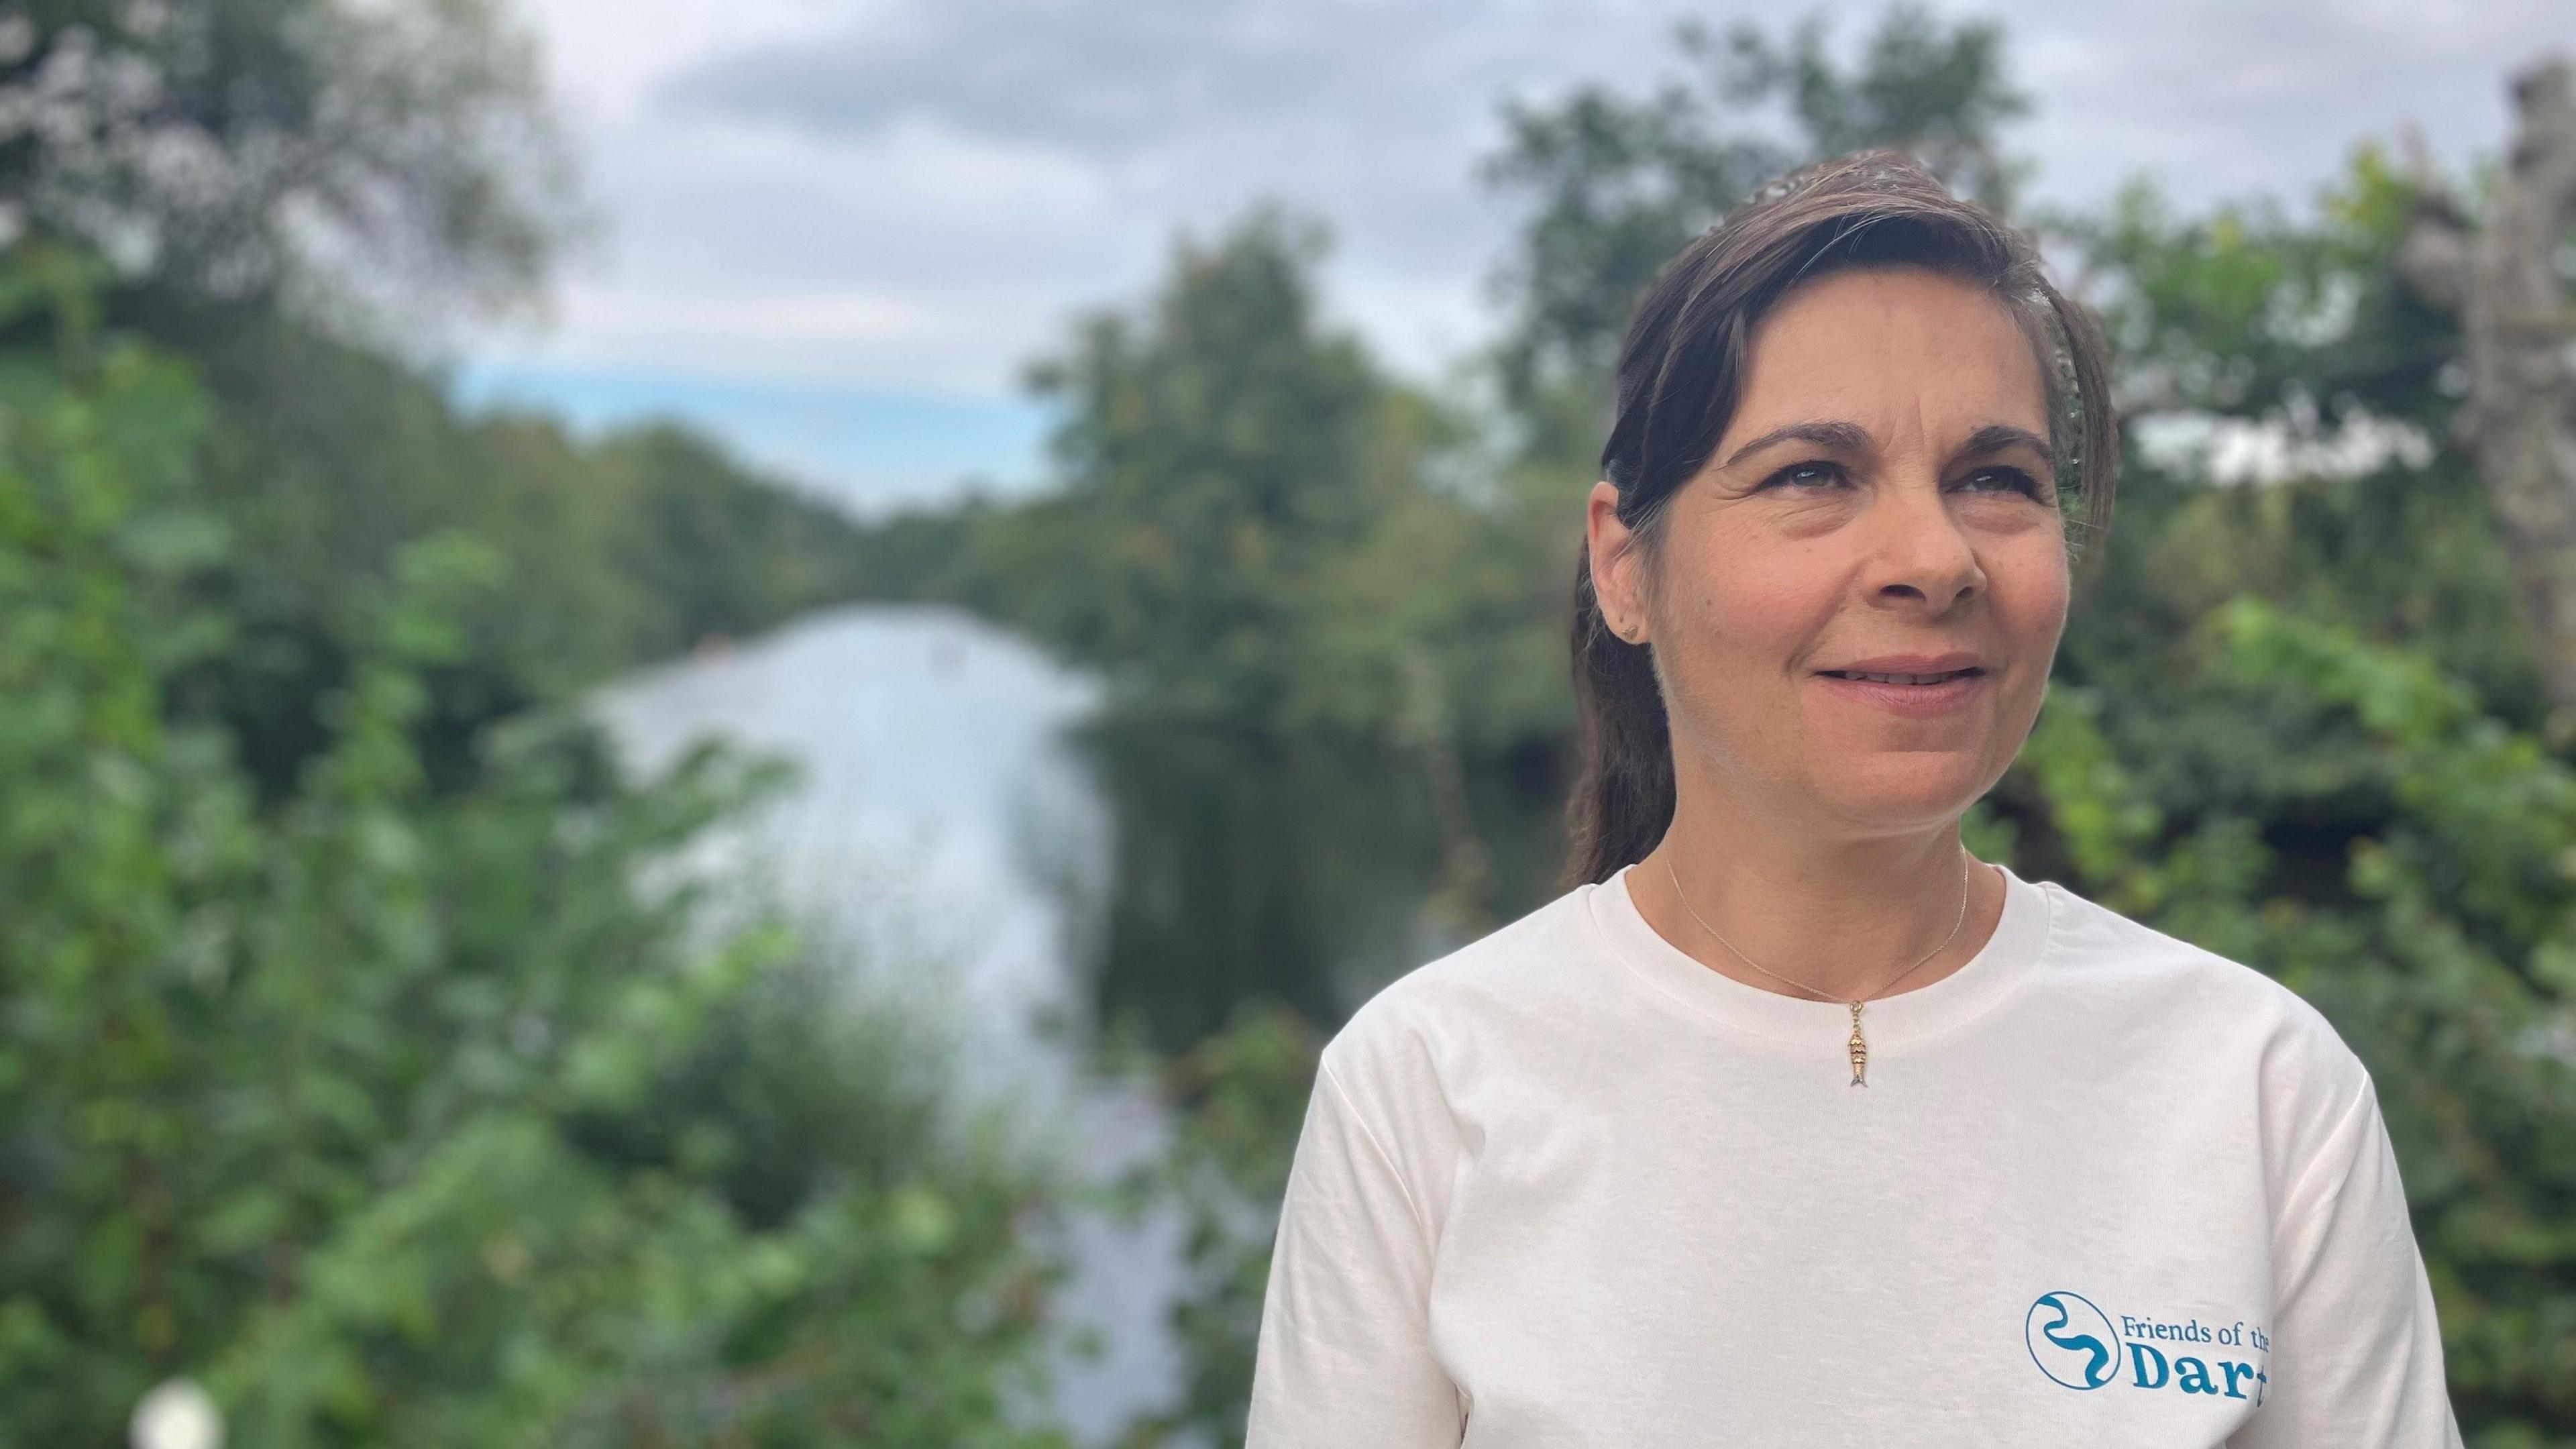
(1679,372)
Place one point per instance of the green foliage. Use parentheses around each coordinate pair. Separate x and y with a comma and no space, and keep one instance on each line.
(359,170)
(1249,513)
(1239,1097)
(394,1114)
(328,458)
(1218,449)
(2252,312)
(1250,517)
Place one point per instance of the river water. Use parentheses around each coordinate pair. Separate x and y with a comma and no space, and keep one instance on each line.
(947,840)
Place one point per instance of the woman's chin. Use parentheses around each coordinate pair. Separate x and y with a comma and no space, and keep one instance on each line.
(1901,792)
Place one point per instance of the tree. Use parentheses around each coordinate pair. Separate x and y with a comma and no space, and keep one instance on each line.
(221,150)
(286,187)
(326,458)
(2511,286)
(1216,448)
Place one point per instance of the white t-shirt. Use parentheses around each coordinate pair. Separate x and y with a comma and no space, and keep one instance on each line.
(1568,1186)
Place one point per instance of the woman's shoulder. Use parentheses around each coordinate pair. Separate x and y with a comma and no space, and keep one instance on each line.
(1401,1060)
(2217,1009)
(1514,975)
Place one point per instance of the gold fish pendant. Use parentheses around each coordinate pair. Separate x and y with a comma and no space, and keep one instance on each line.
(1859,1051)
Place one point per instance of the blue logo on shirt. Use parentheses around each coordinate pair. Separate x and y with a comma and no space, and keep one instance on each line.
(2079,1346)
(2072,1341)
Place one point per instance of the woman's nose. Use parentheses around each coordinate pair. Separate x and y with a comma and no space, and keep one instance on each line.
(1919,558)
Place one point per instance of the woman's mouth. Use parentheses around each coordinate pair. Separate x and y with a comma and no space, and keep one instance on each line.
(1908,694)
(1947,674)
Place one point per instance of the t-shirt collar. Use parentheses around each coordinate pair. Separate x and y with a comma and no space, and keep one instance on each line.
(1891,1022)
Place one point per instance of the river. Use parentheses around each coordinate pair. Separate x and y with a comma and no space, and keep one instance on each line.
(944,835)
(1023,884)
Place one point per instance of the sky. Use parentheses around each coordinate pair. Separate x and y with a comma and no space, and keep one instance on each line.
(834,232)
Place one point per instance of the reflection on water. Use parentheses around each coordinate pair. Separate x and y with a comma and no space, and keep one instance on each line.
(1304,871)
(1248,867)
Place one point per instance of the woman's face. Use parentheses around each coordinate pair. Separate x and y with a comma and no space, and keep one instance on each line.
(1881,503)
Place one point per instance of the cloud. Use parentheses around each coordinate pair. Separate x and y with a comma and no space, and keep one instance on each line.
(1115,81)
(1369,112)
(1387,101)
(2218,99)
(919,194)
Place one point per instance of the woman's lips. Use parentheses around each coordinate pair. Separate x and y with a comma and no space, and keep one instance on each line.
(1953,691)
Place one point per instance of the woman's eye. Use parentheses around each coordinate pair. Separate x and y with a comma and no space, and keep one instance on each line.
(1806,475)
(2002,480)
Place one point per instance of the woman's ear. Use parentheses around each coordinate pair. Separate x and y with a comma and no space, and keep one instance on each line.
(1615,578)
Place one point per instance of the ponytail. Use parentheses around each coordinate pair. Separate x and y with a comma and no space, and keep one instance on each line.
(1623,786)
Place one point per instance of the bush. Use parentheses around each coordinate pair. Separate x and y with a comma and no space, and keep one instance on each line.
(394,1114)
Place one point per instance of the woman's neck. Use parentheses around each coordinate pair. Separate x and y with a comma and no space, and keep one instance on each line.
(1839,914)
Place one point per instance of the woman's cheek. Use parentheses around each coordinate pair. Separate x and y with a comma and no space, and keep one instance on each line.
(2033,591)
(1747,613)
(2039,588)
(1779,602)
(1747,628)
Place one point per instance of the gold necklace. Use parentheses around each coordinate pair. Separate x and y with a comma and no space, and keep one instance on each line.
(1859,1045)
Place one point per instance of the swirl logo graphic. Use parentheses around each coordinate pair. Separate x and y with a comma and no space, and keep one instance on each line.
(2071,1340)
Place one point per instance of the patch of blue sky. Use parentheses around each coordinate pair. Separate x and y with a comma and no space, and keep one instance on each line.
(874,451)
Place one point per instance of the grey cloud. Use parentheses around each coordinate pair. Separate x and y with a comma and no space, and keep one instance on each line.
(1367,95)
(2224,100)
(1373,113)
(1111,79)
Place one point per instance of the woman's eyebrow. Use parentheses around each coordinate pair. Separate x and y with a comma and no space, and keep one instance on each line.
(1839,436)
(1996,437)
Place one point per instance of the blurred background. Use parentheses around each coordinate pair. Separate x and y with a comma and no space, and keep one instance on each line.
(704,705)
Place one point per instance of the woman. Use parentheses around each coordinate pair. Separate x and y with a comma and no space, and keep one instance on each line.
(1791,1123)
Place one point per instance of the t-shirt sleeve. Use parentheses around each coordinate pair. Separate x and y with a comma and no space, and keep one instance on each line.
(2356,1356)
(1344,1356)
